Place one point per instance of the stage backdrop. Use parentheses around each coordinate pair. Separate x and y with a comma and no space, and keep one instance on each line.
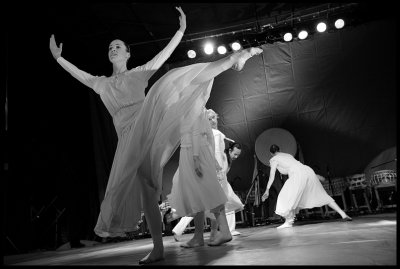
(335,92)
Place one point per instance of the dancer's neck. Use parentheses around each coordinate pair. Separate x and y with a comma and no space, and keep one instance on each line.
(119,68)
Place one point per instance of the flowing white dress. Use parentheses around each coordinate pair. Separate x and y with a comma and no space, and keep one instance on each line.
(301,190)
(234,204)
(190,193)
(147,128)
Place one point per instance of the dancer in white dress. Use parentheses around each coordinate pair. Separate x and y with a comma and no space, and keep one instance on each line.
(147,128)
(301,190)
(195,187)
(225,157)
(224,160)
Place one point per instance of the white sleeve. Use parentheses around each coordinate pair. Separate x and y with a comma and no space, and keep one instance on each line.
(218,139)
(80,75)
(162,56)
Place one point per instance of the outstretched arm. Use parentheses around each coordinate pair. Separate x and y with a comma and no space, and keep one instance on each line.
(270,180)
(80,75)
(162,56)
(231,140)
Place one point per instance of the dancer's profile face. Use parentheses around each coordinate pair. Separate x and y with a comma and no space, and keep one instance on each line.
(117,51)
(213,118)
(234,153)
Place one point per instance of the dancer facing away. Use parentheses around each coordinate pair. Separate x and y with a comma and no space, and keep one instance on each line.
(147,128)
(224,159)
(195,186)
(301,190)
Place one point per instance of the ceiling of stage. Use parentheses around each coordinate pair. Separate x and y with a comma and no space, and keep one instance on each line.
(148,26)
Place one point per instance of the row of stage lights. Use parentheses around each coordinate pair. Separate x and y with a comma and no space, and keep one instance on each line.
(235,46)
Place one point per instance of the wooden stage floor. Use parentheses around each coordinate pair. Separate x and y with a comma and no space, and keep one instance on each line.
(367,240)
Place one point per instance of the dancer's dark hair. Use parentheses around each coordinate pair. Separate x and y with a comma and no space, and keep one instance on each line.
(234,145)
(274,148)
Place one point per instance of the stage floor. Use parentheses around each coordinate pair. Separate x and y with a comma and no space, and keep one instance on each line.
(367,240)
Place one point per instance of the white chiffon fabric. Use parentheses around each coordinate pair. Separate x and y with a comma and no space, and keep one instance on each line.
(148,129)
(234,204)
(190,193)
(301,190)
(147,146)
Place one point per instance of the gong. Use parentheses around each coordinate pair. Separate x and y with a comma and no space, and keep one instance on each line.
(281,137)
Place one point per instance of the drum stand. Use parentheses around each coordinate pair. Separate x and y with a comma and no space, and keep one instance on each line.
(251,187)
(252,214)
(59,213)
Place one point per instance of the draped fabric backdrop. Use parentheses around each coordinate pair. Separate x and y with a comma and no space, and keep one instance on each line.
(335,92)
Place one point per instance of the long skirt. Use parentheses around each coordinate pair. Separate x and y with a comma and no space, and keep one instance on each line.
(301,190)
(146,145)
(191,194)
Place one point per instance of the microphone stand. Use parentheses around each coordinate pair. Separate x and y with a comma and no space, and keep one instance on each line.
(251,187)
(247,197)
(328,175)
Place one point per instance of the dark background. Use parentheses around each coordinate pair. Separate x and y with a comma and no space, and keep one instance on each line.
(60,140)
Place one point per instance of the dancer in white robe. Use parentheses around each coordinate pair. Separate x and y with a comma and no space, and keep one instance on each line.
(301,190)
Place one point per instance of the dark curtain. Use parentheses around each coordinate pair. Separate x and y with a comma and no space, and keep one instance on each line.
(335,92)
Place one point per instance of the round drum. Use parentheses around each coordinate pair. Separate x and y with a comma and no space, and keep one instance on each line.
(278,136)
(383,177)
(356,181)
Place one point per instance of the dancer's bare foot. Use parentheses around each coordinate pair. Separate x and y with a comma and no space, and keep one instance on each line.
(220,239)
(212,235)
(347,218)
(192,243)
(176,237)
(244,56)
(153,256)
(287,224)
(234,232)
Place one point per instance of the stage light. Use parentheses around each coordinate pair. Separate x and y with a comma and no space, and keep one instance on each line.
(321,27)
(339,23)
(302,34)
(221,50)
(191,54)
(236,46)
(288,37)
(209,48)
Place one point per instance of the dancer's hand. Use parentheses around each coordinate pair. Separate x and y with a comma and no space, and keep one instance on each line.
(265,195)
(197,166)
(55,50)
(182,20)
